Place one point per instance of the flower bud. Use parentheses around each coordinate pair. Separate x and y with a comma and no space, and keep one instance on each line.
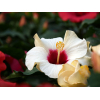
(45,25)
(22,21)
(2,17)
(8,39)
(35,16)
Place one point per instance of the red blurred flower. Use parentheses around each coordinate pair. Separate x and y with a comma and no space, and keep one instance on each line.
(2,17)
(6,84)
(22,21)
(14,63)
(35,15)
(94,35)
(46,84)
(2,64)
(10,84)
(8,39)
(45,25)
(23,85)
(2,68)
(77,16)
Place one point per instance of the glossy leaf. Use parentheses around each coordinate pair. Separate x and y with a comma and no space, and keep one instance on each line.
(29,72)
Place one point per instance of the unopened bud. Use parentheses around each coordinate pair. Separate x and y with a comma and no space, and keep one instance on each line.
(2,17)
(22,21)
(35,16)
(45,25)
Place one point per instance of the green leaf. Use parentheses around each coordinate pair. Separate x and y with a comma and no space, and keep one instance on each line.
(52,34)
(40,27)
(97,31)
(89,32)
(14,52)
(93,41)
(12,33)
(15,74)
(89,21)
(36,78)
(29,72)
(1,42)
(94,79)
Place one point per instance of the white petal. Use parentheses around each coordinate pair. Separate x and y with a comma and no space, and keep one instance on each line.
(74,46)
(46,43)
(85,61)
(50,70)
(51,43)
(35,55)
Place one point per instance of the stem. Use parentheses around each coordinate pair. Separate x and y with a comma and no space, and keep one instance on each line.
(58,56)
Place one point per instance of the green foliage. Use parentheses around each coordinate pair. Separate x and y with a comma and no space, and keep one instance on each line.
(29,72)
(94,79)
(14,52)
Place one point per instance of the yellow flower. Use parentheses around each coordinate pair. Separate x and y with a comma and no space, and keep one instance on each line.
(73,75)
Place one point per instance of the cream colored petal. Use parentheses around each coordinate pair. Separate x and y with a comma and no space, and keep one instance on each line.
(78,85)
(74,46)
(88,49)
(76,78)
(76,64)
(38,42)
(34,56)
(79,77)
(61,78)
(66,67)
(50,70)
(37,66)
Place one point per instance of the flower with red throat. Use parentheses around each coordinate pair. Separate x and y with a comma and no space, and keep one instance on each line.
(51,54)
(77,16)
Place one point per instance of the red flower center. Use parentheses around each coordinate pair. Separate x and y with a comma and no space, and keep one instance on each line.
(52,57)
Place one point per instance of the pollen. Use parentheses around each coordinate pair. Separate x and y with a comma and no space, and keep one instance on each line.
(84,70)
(59,47)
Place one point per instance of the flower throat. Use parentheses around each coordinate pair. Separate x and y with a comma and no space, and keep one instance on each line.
(59,55)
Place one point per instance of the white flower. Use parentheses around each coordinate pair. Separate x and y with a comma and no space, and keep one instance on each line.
(51,54)
(86,60)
